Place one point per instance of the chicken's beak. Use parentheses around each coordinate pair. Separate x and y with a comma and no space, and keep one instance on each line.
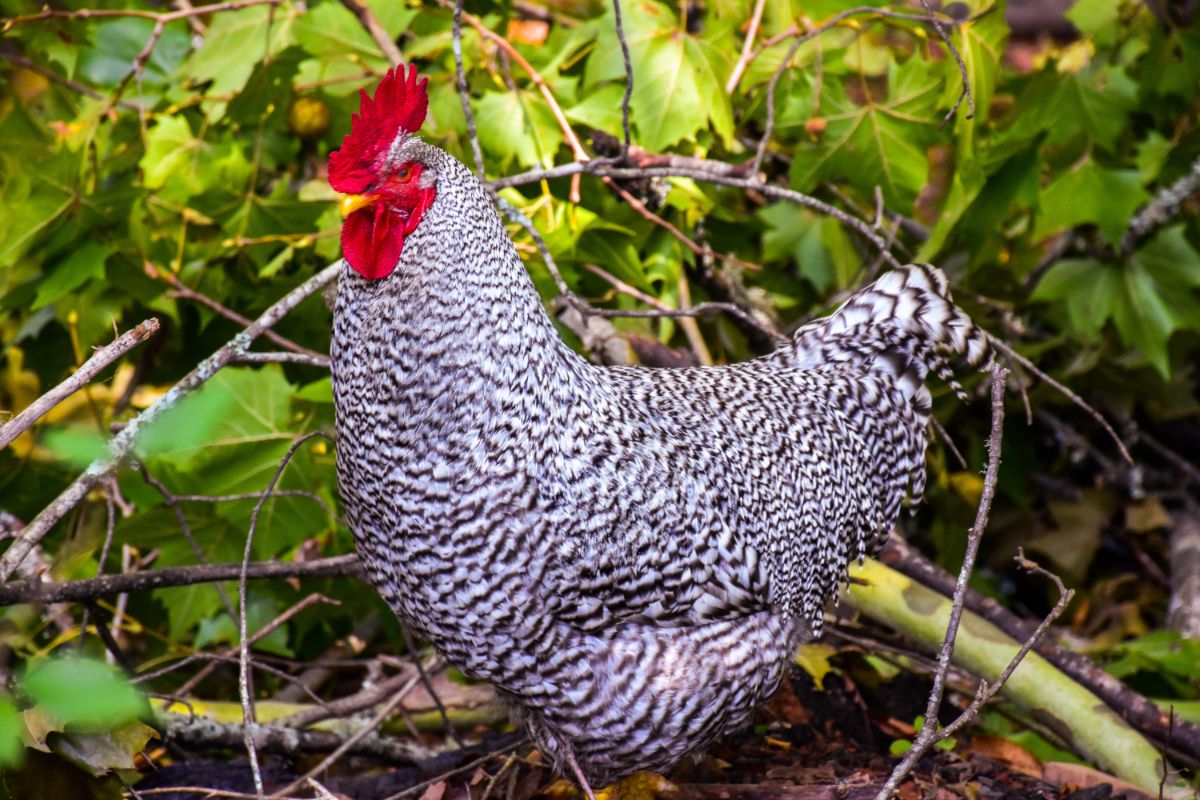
(353,202)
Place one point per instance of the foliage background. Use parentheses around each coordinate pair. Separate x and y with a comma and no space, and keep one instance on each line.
(201,169)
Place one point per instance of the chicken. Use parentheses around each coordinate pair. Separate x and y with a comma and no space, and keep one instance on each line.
(630,555)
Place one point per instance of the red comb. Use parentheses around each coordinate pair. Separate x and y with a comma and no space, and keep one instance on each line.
(399,104)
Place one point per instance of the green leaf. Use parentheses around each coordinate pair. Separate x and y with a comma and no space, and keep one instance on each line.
(116,43)
(235,43)
(83,693)
(171,155)
(678,87)
(1089,288)
(878,142)
(1093,16)
(76,445)
(330,32)
(1106,198)
(518,125)
(80,266)
(12,743)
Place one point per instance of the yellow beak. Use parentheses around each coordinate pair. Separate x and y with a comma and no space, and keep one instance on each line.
(353,202)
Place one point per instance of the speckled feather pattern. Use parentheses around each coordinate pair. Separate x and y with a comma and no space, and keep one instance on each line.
(630,555)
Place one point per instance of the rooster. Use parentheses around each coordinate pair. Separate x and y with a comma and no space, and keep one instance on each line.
(630,555)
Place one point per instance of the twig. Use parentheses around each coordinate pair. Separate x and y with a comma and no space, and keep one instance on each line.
(320,362)
(739,68)
(1004,348)
(185,528)
(81,377)
(721,177)
(414,791)
(929,729)
(376,31)
(760,152)
(460,81)
(619,24)
(36,591)
(349,705)
(122,444)
(962,68)
(1145,716)
(185,292)
(249,719)
(164,16)
(573,142)
(355,737)
(1165,206)
(63,80)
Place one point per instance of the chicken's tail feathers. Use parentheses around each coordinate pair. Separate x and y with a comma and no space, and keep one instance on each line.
(905,324)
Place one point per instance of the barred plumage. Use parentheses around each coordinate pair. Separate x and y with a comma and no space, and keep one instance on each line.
(630,555)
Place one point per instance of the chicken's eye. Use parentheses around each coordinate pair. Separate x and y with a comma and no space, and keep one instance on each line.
(403,175)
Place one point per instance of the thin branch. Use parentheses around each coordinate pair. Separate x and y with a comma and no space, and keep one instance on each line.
(304,359)
(199,731)
(573,142)
(100,359)
(987,690)
(185,528)
(928,733)
(249,718)
(460,82)
(1005,349)
(122,444)
(101,13)
(376,31)
(63,80)
(723,177)
(760,152)
(355,737)
(185,292)
(962,68)
(1165,207)
(37,591)
(1183,740)
(619,24)
(739,68)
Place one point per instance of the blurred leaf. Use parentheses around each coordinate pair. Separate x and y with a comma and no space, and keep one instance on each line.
(116,43)
(77,268)
(76,445)
(518,125)
(1091,194)
(12,745)
(82,693)
(104,752)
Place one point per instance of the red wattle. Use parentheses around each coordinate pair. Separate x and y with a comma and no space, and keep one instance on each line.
(372,240)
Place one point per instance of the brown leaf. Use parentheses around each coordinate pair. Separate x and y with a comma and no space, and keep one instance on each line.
(1010,753)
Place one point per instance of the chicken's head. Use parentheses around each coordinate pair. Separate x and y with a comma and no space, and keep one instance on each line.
(385,193)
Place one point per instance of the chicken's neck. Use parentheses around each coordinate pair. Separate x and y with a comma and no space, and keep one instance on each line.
(456,339)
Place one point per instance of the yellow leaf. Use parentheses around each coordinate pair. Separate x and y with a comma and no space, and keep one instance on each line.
(814,659)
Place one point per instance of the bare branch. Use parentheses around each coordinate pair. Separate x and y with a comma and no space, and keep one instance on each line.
(619,23)
(80,378)
(927,736)
(962,68)
(460,78)
(163,16)
(249,719)
(376,31)
(183,291)
(122,444)
(739,68)
(1165,207)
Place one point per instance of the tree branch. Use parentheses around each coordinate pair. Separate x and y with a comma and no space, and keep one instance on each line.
(122,444)
(80,378)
